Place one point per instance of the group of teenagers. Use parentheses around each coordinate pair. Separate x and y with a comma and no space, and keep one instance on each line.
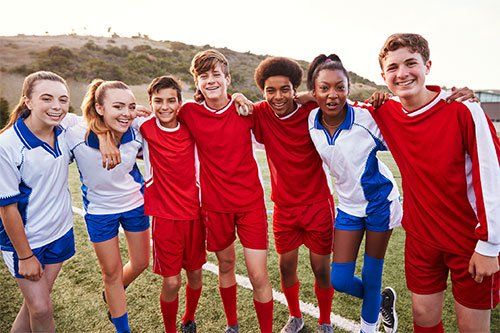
(202,188)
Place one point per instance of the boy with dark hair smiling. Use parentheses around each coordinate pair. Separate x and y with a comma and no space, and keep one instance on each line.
(448,155)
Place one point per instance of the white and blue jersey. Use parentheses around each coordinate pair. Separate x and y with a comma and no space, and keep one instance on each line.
(35,176)
(363,183)
(107,191)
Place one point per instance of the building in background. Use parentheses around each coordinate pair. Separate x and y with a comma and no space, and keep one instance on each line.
(490,102)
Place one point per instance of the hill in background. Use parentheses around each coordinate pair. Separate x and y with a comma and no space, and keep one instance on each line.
(134,60)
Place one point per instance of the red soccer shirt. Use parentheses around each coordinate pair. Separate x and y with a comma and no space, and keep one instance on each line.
(229,175)
(169,154)
(448,155)
(297,174)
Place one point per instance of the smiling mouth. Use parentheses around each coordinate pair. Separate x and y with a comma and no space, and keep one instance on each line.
(331,105)
(124,121)
(54,115)
(405,83)
(212,88)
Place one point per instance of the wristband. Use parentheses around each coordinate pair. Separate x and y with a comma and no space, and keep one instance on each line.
(32,254)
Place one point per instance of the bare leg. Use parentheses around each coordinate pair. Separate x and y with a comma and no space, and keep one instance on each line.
(138,252)
(226,259)
(427,309)
(288,267)
(472,320)
(256,262)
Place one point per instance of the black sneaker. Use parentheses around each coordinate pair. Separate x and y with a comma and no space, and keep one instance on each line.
(388,310)
(189,327)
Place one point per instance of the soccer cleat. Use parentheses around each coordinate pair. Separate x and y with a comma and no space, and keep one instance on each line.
(388,310)
(325,328)
(293,325)
(189,327)
(232,329)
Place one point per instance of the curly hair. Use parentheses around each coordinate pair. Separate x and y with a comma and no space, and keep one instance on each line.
(414,42)
(278,66)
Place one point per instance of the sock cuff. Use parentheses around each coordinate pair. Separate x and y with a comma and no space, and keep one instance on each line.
(175,300)
(372,260)
(193,291)
(434,329)
(295,286)
(228,289)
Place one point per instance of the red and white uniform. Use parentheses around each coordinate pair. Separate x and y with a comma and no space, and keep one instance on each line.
(448,155)
(229,175)
(303,211)
(172,197)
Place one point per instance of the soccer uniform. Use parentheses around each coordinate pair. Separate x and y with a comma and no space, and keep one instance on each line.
(232,196)
(300,189)
(35,176)
(448,155)
(110,197)
(172,197)
(368,194)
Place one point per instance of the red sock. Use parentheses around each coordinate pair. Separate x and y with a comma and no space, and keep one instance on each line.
(264,315)
(324,296)
(434,329)
(228,296)
(192,297)
(292,298)
(169,313)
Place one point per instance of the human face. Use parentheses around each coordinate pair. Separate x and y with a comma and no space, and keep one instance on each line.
(49,103)
(279,93)
(166,104)
(213,84)
(331,88)
(404,73)
(117,110)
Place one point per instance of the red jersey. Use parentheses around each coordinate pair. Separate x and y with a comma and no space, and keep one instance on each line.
(297,174)
(171,190)
(229,176)
(448,155)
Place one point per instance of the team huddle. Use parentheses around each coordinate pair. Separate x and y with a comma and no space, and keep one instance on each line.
(202,189)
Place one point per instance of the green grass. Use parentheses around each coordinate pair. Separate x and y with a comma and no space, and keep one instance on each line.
(79,307)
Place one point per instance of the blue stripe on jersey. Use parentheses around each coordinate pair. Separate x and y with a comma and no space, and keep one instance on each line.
(136,174)
(376,187)
(31,141)
(22,200)
(345,125)
(93,140)
(84,191)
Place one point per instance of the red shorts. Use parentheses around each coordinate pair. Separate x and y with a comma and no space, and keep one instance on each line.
(221,228)
(178,244)
(426,270)
(311,225)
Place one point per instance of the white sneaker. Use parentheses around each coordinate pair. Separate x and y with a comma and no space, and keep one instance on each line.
(293,325)
(388,310)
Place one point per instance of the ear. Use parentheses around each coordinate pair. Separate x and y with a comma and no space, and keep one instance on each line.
(228,78)
(27,102)
(428,65)
(383,75)
(99,109)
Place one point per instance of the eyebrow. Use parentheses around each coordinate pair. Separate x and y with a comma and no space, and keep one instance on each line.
(49,95)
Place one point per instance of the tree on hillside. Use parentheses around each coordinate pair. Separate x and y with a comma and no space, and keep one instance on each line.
(4,112)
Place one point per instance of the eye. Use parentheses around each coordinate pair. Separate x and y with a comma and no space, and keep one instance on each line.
(46,99)
(341,88)
(132,107)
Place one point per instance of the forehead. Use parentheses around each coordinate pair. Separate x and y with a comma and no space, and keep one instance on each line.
(331,75)
(54,88)
(277,81)
(119,95)
(400,55)
(165,93)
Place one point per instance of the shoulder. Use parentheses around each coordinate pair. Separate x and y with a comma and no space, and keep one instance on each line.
(313,114)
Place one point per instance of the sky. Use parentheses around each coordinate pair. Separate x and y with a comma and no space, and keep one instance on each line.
(464,36)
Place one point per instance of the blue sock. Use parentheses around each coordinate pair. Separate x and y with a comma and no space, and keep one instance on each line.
(343,279)
(372,283)
(121,324)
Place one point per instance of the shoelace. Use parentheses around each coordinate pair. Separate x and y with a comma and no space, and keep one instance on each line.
(386,314)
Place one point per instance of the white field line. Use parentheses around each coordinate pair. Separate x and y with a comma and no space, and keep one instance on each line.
(306,308)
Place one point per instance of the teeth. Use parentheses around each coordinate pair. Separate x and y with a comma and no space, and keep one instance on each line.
(405,83)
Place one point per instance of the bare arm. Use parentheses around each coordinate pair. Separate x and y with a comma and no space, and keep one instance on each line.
(30,268)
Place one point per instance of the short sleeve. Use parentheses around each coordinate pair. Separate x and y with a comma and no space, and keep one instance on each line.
(10,180)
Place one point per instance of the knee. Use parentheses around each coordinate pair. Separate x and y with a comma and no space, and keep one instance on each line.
(259,279)
(322,275)
(41,310)
(172,284)
(340,282)
(226,265)
(112,276)
(287,270)
(425,314)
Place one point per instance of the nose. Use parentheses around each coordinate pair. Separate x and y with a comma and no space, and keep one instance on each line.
(56,105)
(402,71)
(332,93)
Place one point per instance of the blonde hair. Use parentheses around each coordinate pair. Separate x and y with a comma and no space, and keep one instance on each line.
(203,62)
(21,109)
(96,92)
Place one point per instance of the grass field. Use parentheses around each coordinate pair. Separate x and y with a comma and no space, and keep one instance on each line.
(79,308)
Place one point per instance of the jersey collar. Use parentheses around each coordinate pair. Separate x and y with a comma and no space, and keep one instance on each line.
(31,141)
(93,140)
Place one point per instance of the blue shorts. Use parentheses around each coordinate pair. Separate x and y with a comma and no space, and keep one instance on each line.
(53,253)
(387,217)
(105,226)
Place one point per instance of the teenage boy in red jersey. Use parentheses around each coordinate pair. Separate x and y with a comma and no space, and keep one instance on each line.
(448,155)
(231,192)
(172,198)
(303,204)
